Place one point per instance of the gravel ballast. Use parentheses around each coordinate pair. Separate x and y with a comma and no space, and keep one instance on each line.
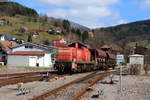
(72,91)
(133,88)
(37,88)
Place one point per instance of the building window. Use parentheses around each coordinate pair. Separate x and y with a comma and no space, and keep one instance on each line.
(28,46)
(136,58)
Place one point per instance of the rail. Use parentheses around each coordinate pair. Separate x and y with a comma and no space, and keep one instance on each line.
(93,75)
(8,79)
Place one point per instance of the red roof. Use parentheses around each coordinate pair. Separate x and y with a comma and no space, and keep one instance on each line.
(105,47)
(34,32)
(27,53)
(115,48)
(58,38)
(58,28)
(91,33)
(7,45)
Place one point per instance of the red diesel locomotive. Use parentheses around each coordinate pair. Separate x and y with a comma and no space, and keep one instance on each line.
(77,57)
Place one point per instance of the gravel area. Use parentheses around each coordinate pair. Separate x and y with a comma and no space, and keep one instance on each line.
(37,88)
(73,90)
(11,70)
(68,93)
(134,88)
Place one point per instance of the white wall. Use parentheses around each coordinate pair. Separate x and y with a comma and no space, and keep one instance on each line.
(120,58)
(47,60)
(137,60)
(30,60)
(33,61)
(22,48)
(17,60)
(41,60)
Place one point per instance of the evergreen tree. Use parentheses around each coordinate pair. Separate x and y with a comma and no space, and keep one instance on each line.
(13,8)
(85,36)
(56,23)
(29,38)
(45,18)
(66,25)
(73,30)
(64,33)
(35,19)
(78,31)
(46,42)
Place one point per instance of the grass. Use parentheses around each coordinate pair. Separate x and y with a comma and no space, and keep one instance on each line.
(17,22)
(146,75)
(141,43)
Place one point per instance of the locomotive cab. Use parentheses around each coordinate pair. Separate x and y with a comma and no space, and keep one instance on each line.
(74,57)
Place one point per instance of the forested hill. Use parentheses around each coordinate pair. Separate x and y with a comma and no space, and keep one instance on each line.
(13,8)
(127,33)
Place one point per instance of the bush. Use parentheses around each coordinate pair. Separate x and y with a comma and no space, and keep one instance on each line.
(135,69)
(146,68)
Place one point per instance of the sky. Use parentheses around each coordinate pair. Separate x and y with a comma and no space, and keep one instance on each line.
(93,13)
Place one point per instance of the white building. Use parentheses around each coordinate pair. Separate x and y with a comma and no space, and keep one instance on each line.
(120,59)
(30,54)
(136,59)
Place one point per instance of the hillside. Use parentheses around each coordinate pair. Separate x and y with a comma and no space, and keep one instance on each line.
(20,16)
(78,26)
(127,33)
(13,8)
(17,23)
(21,26)
(123,35)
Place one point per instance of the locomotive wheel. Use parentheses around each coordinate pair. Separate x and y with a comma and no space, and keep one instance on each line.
(89,68)
(113,67)
(61,70)
(79,69)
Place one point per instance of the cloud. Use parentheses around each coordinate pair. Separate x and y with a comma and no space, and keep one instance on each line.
(73,3)
(145,4)
(89,12)
(121,21)
(86,16)
(84,12)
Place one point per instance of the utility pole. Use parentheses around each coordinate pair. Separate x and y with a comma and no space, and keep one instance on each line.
(119,86)
(120,78)
(120,61)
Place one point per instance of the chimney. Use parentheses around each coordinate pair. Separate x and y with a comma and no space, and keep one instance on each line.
(76,45)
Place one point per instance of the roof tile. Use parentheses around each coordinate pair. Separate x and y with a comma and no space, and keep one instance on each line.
(27,53)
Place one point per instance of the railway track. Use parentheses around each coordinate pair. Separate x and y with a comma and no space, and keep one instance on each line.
(27,73)
(84,82)
(8,79)
(75,89)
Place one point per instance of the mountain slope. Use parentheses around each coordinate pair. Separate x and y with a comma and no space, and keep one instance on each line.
(121,34)
(13,8)
(126,33)
(78,26)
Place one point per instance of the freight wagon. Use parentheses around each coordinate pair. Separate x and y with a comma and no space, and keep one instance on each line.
(111,60)
(99,58)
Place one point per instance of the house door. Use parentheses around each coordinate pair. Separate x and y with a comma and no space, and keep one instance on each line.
(32,60)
